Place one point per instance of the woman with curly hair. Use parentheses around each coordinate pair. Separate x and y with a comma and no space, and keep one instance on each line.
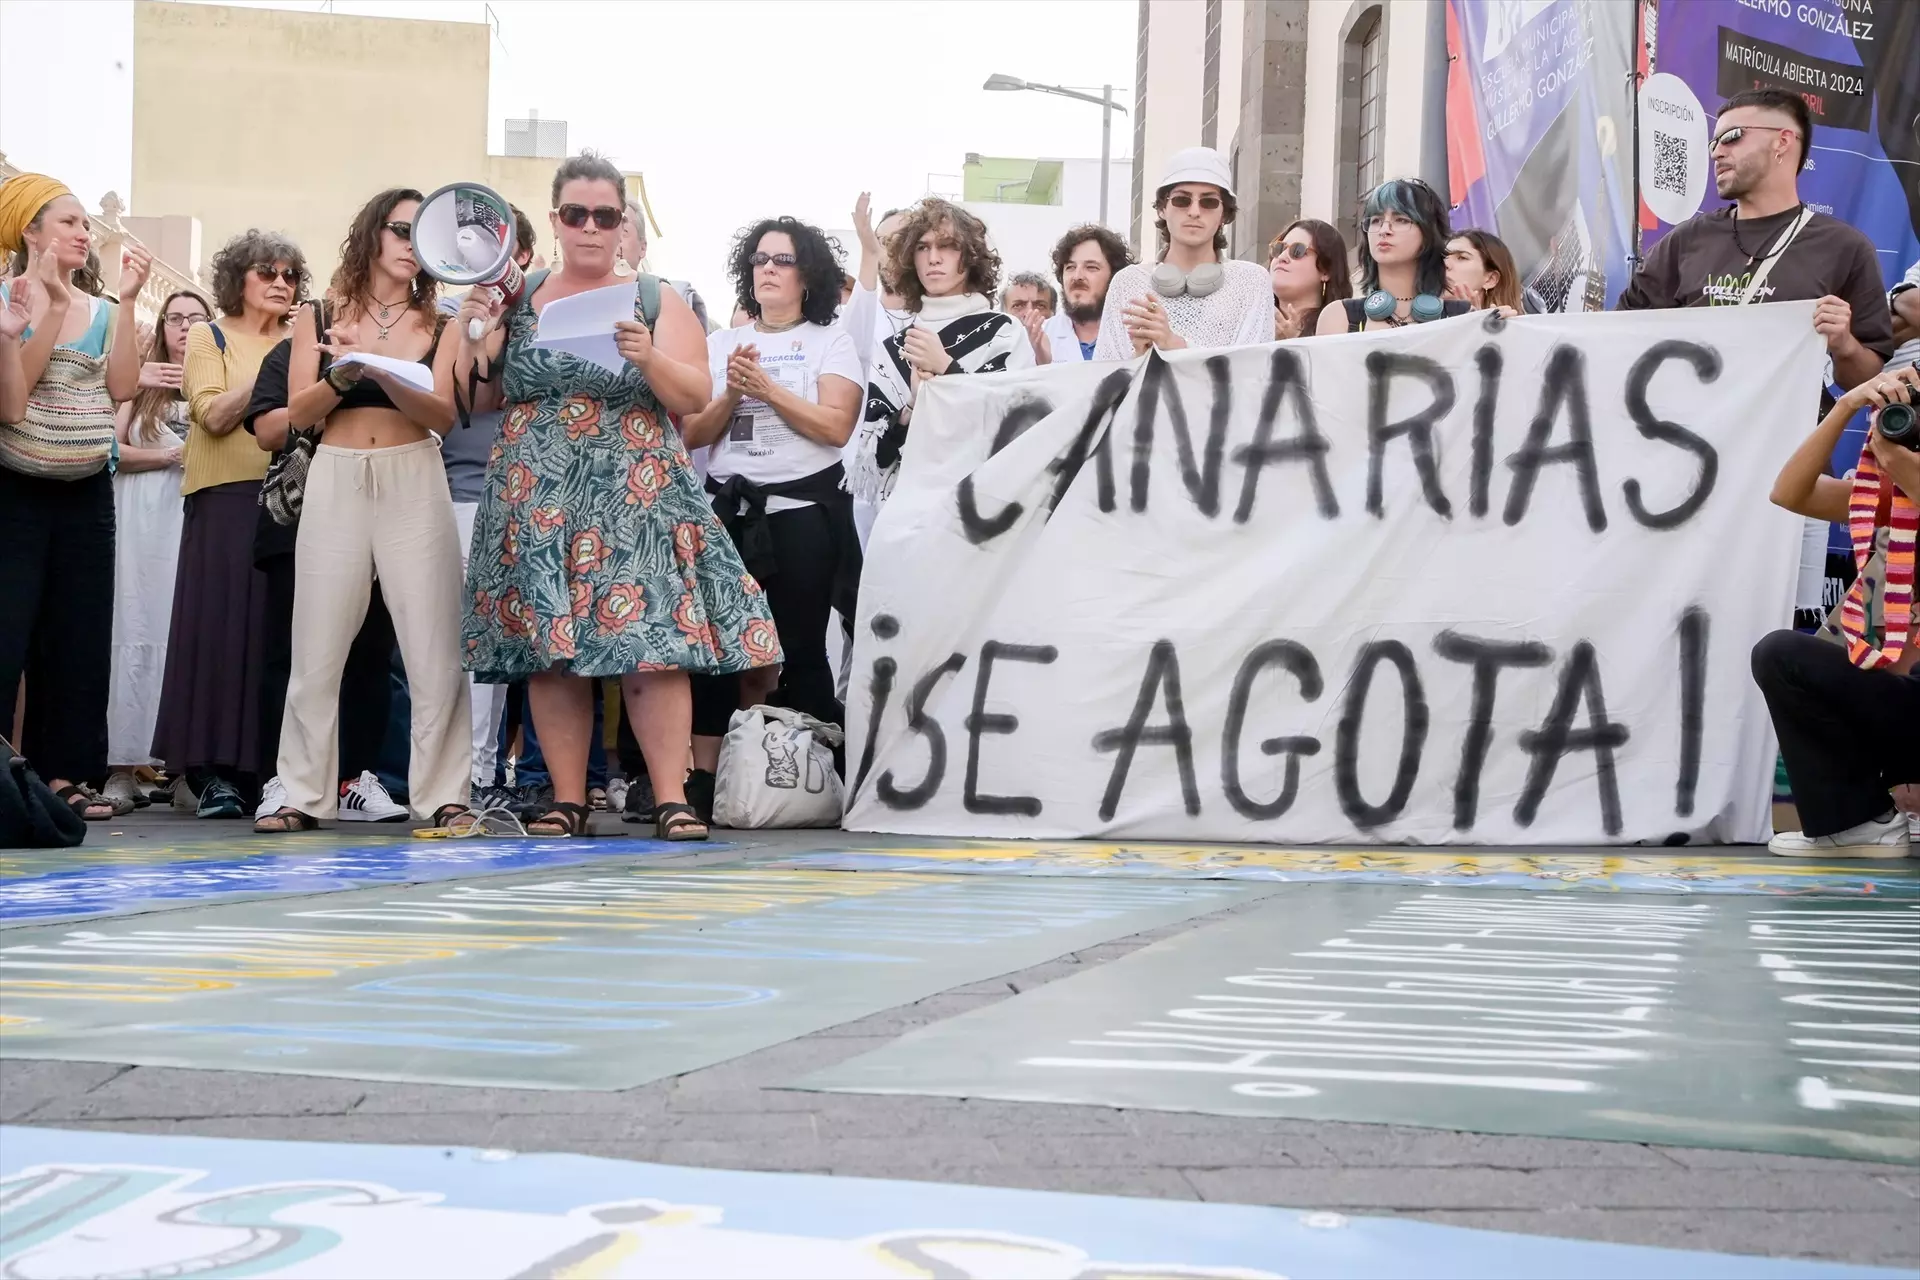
(1308,264)
(947,274)
(209,723)
(595,553)
(152,430)
(786,389)
(376,501)
(67,356)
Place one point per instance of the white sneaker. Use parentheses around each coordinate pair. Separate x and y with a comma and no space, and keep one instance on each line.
(1881,838)
(365,800)
(184,799)
(273,797)
(616,794)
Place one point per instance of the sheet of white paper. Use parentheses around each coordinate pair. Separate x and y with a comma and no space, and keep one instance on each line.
(583,324)
(411,372)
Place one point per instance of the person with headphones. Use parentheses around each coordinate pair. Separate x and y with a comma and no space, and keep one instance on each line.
(1193,296)
(1403,262)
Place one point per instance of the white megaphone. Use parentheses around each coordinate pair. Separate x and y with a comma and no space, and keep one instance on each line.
(463,235)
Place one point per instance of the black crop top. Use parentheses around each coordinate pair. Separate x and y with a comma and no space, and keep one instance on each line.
(368,394)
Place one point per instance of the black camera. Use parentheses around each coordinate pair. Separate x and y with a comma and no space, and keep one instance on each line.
(1897,426)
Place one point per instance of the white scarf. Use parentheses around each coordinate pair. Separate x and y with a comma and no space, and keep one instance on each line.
(980,340)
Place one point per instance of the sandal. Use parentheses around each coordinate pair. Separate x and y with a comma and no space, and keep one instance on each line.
(288,820)
(562,818)
(677,822)
(84,800)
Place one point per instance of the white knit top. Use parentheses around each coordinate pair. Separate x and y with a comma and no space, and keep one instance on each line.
(1237,314)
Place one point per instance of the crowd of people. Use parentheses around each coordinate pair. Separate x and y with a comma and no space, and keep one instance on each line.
(219,536)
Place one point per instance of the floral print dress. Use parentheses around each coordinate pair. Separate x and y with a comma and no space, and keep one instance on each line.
(594,545)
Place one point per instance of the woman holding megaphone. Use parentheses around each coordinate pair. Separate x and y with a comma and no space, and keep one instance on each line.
(376,502)
(595,552)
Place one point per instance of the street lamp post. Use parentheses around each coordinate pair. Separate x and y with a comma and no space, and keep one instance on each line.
(1104,101)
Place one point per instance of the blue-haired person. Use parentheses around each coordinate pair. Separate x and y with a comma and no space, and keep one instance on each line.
(1403,261)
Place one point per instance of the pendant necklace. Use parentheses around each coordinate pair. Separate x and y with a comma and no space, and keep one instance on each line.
(386,309)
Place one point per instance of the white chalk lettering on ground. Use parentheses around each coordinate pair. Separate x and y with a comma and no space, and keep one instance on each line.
(1456,992)
(1854,981)
(1469,582)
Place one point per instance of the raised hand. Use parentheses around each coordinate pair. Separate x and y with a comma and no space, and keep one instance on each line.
(136,264)
(157,375)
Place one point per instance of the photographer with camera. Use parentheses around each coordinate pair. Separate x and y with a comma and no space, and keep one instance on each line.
(1846,703)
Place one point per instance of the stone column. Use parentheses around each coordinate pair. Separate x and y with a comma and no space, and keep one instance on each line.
(1269,143)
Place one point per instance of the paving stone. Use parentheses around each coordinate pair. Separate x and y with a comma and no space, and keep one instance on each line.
(1884,1239)
(1390,1146)
(1363,1190)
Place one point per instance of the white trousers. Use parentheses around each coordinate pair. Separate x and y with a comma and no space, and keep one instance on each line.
(386,510)
(489,701)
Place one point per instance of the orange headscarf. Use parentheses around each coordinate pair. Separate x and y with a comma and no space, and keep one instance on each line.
(22,197)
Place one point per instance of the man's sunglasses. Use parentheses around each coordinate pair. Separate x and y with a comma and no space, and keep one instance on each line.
(1294,250)
(1727,137)
(605,217)
(1183,200)
(777,259)
(402,229)
(269,274)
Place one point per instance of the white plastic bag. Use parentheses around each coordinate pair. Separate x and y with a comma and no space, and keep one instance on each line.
(776,770)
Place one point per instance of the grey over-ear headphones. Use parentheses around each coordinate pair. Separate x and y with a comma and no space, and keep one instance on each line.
(1170,281)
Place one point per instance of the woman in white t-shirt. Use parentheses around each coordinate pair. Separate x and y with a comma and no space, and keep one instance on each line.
(786,387)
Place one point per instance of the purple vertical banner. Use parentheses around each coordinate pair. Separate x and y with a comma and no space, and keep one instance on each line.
(1857,64)
(1539,127)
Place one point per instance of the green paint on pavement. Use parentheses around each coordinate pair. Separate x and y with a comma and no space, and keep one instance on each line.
(605,979)
(1787,1025)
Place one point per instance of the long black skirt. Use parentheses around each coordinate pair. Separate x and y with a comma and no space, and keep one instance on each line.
(210,700)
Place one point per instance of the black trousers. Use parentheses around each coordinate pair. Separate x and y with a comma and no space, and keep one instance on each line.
(56,619)
(366,690)
(800,597)
(1848,736)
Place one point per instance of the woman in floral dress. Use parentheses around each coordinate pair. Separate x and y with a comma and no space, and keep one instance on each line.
(595,552)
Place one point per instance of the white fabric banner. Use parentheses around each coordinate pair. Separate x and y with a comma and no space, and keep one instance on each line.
(1467,582)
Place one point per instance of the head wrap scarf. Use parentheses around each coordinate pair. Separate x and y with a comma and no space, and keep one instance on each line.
(22,197)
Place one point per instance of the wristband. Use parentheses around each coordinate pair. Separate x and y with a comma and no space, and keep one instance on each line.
(338,381)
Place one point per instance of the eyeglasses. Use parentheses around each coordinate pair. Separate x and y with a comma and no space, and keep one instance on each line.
(402,229)
(1184,200)
(1293,249)
(605,217)
(1389,222)
(1727,137)
(777,259)
(269,274)
(184,321)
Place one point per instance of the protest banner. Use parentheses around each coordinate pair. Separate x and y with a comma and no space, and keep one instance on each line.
(1476,581)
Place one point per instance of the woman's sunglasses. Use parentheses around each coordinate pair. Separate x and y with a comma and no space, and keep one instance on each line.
(269,274)
(402,229)
(604,217)
(1294,250)
(777,259)
(1183,200)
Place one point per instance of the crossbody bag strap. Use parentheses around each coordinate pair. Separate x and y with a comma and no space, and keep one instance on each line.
(1779,248)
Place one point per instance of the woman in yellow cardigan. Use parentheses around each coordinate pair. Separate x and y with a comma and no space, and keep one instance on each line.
(209,723)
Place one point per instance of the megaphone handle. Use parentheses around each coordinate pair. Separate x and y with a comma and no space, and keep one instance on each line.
(476,328)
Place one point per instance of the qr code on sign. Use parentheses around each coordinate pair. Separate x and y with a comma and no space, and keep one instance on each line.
(1670,163)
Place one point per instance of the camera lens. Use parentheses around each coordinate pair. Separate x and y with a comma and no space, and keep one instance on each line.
(1897,426)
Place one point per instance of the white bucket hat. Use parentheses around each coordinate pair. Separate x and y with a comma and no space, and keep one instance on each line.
(1197,164)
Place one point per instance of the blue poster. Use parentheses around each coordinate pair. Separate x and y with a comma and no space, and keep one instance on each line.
(1857,64)
(1539,123)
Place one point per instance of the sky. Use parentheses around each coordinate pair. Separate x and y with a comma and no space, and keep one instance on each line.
(733,109)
